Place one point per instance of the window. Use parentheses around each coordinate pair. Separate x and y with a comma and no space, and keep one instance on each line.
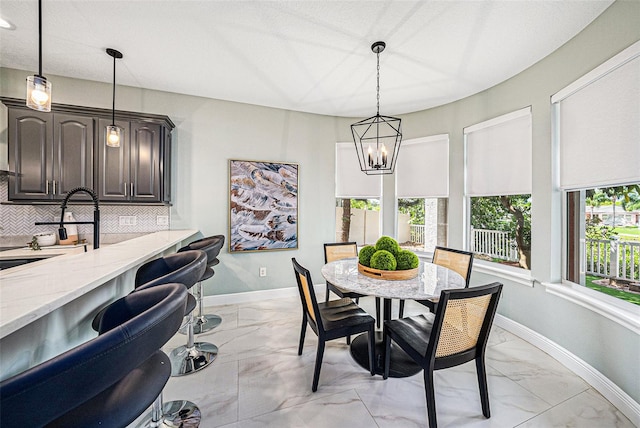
(498,188)
(597,137)
(357,199)
(422,189)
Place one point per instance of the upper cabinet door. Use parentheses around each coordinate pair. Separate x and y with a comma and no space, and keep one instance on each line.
(30,154)
(145,162)
(73,154)
(114,182)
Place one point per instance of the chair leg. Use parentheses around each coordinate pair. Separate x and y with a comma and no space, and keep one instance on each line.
(378,312)
(430,397)
(303,331)
(316,372)
(349,340)
(401,311)
(387,353)
(482,384)
(371,338)
(326,297)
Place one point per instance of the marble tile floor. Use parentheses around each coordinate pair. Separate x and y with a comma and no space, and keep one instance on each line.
(258,380)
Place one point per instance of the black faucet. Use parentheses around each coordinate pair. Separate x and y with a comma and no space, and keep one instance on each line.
(62,232)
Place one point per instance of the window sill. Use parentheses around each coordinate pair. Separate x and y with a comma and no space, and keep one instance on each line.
(520,276)
(621,312)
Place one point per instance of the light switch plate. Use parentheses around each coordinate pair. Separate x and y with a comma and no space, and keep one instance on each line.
(162,220)
(127,220)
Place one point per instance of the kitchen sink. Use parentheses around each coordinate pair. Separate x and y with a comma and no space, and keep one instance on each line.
(9,263)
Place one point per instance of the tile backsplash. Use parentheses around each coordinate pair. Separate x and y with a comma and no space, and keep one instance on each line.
(18,220)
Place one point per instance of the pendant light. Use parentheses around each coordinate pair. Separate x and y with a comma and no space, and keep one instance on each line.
(38,87)
(114,132)
(377,138)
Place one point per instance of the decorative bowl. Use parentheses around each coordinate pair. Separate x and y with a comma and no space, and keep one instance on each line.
(390,275)
(46,239)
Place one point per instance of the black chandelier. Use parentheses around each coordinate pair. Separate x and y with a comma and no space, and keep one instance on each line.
(377,138)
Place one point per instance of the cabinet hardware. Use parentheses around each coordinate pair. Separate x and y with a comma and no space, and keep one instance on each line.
(131,189)
(125,189)
(54,187)
(46,187)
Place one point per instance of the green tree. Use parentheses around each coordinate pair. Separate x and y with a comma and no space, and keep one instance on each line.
(507,213)
(346,219)
(414,207)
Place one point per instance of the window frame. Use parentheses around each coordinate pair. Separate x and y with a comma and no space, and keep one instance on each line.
(519,275)
(617,310)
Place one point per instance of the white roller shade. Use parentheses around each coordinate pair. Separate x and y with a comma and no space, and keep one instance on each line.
(351,182)
(498,155)
(422,170)
(598,125)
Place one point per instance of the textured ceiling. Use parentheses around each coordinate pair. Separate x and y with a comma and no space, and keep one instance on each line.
(311,56)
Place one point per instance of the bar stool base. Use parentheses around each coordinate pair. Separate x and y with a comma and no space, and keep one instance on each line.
(203,323)
(179,413)
(185,360)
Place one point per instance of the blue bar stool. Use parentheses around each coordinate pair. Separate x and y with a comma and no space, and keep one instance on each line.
(211,246)
(193,356)
(185,268)
(107,381)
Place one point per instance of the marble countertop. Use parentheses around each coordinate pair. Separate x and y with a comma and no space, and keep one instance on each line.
(431,280)
(31,291)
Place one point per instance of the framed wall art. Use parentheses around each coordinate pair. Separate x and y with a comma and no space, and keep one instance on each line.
(263,206)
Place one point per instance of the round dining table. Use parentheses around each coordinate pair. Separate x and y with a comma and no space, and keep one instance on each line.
(428,284)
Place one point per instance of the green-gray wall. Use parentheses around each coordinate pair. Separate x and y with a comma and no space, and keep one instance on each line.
(210,132)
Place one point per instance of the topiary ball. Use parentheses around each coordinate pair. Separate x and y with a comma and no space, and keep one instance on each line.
(407,260)
(388,244)
(364,257)
(383,260)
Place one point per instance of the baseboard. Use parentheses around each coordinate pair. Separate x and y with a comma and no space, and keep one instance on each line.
(258,296)
(593,377)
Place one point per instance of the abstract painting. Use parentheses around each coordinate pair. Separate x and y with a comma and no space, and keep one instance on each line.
(263,206)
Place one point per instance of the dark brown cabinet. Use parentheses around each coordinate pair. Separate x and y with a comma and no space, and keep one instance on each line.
(132,172)
(52,153)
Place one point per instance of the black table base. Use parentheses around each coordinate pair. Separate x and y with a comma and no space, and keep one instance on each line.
(401,364)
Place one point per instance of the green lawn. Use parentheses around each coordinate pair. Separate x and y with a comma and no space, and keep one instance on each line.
(628,233)
(624,295)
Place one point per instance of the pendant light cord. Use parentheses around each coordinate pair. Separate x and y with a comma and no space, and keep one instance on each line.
(39,38)
(113,98)
(378,84)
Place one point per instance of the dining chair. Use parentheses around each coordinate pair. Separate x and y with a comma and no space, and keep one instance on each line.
(457,260)
(330,320)
(456,334)
(343,250)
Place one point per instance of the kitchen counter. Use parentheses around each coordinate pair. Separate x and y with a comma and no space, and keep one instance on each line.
(46,307)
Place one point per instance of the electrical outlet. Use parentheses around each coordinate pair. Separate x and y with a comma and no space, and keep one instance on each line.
(162,220)
(127,220)
(263,271)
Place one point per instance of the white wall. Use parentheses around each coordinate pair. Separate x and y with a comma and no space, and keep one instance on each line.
(210,132)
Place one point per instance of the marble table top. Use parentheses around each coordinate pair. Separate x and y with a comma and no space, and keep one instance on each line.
(31,291)
(431,280)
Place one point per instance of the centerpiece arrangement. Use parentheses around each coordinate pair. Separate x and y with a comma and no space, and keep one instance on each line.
(386,260)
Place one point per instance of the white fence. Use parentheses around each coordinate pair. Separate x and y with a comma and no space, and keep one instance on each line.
(416,233)
(494,243)
(612,259)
